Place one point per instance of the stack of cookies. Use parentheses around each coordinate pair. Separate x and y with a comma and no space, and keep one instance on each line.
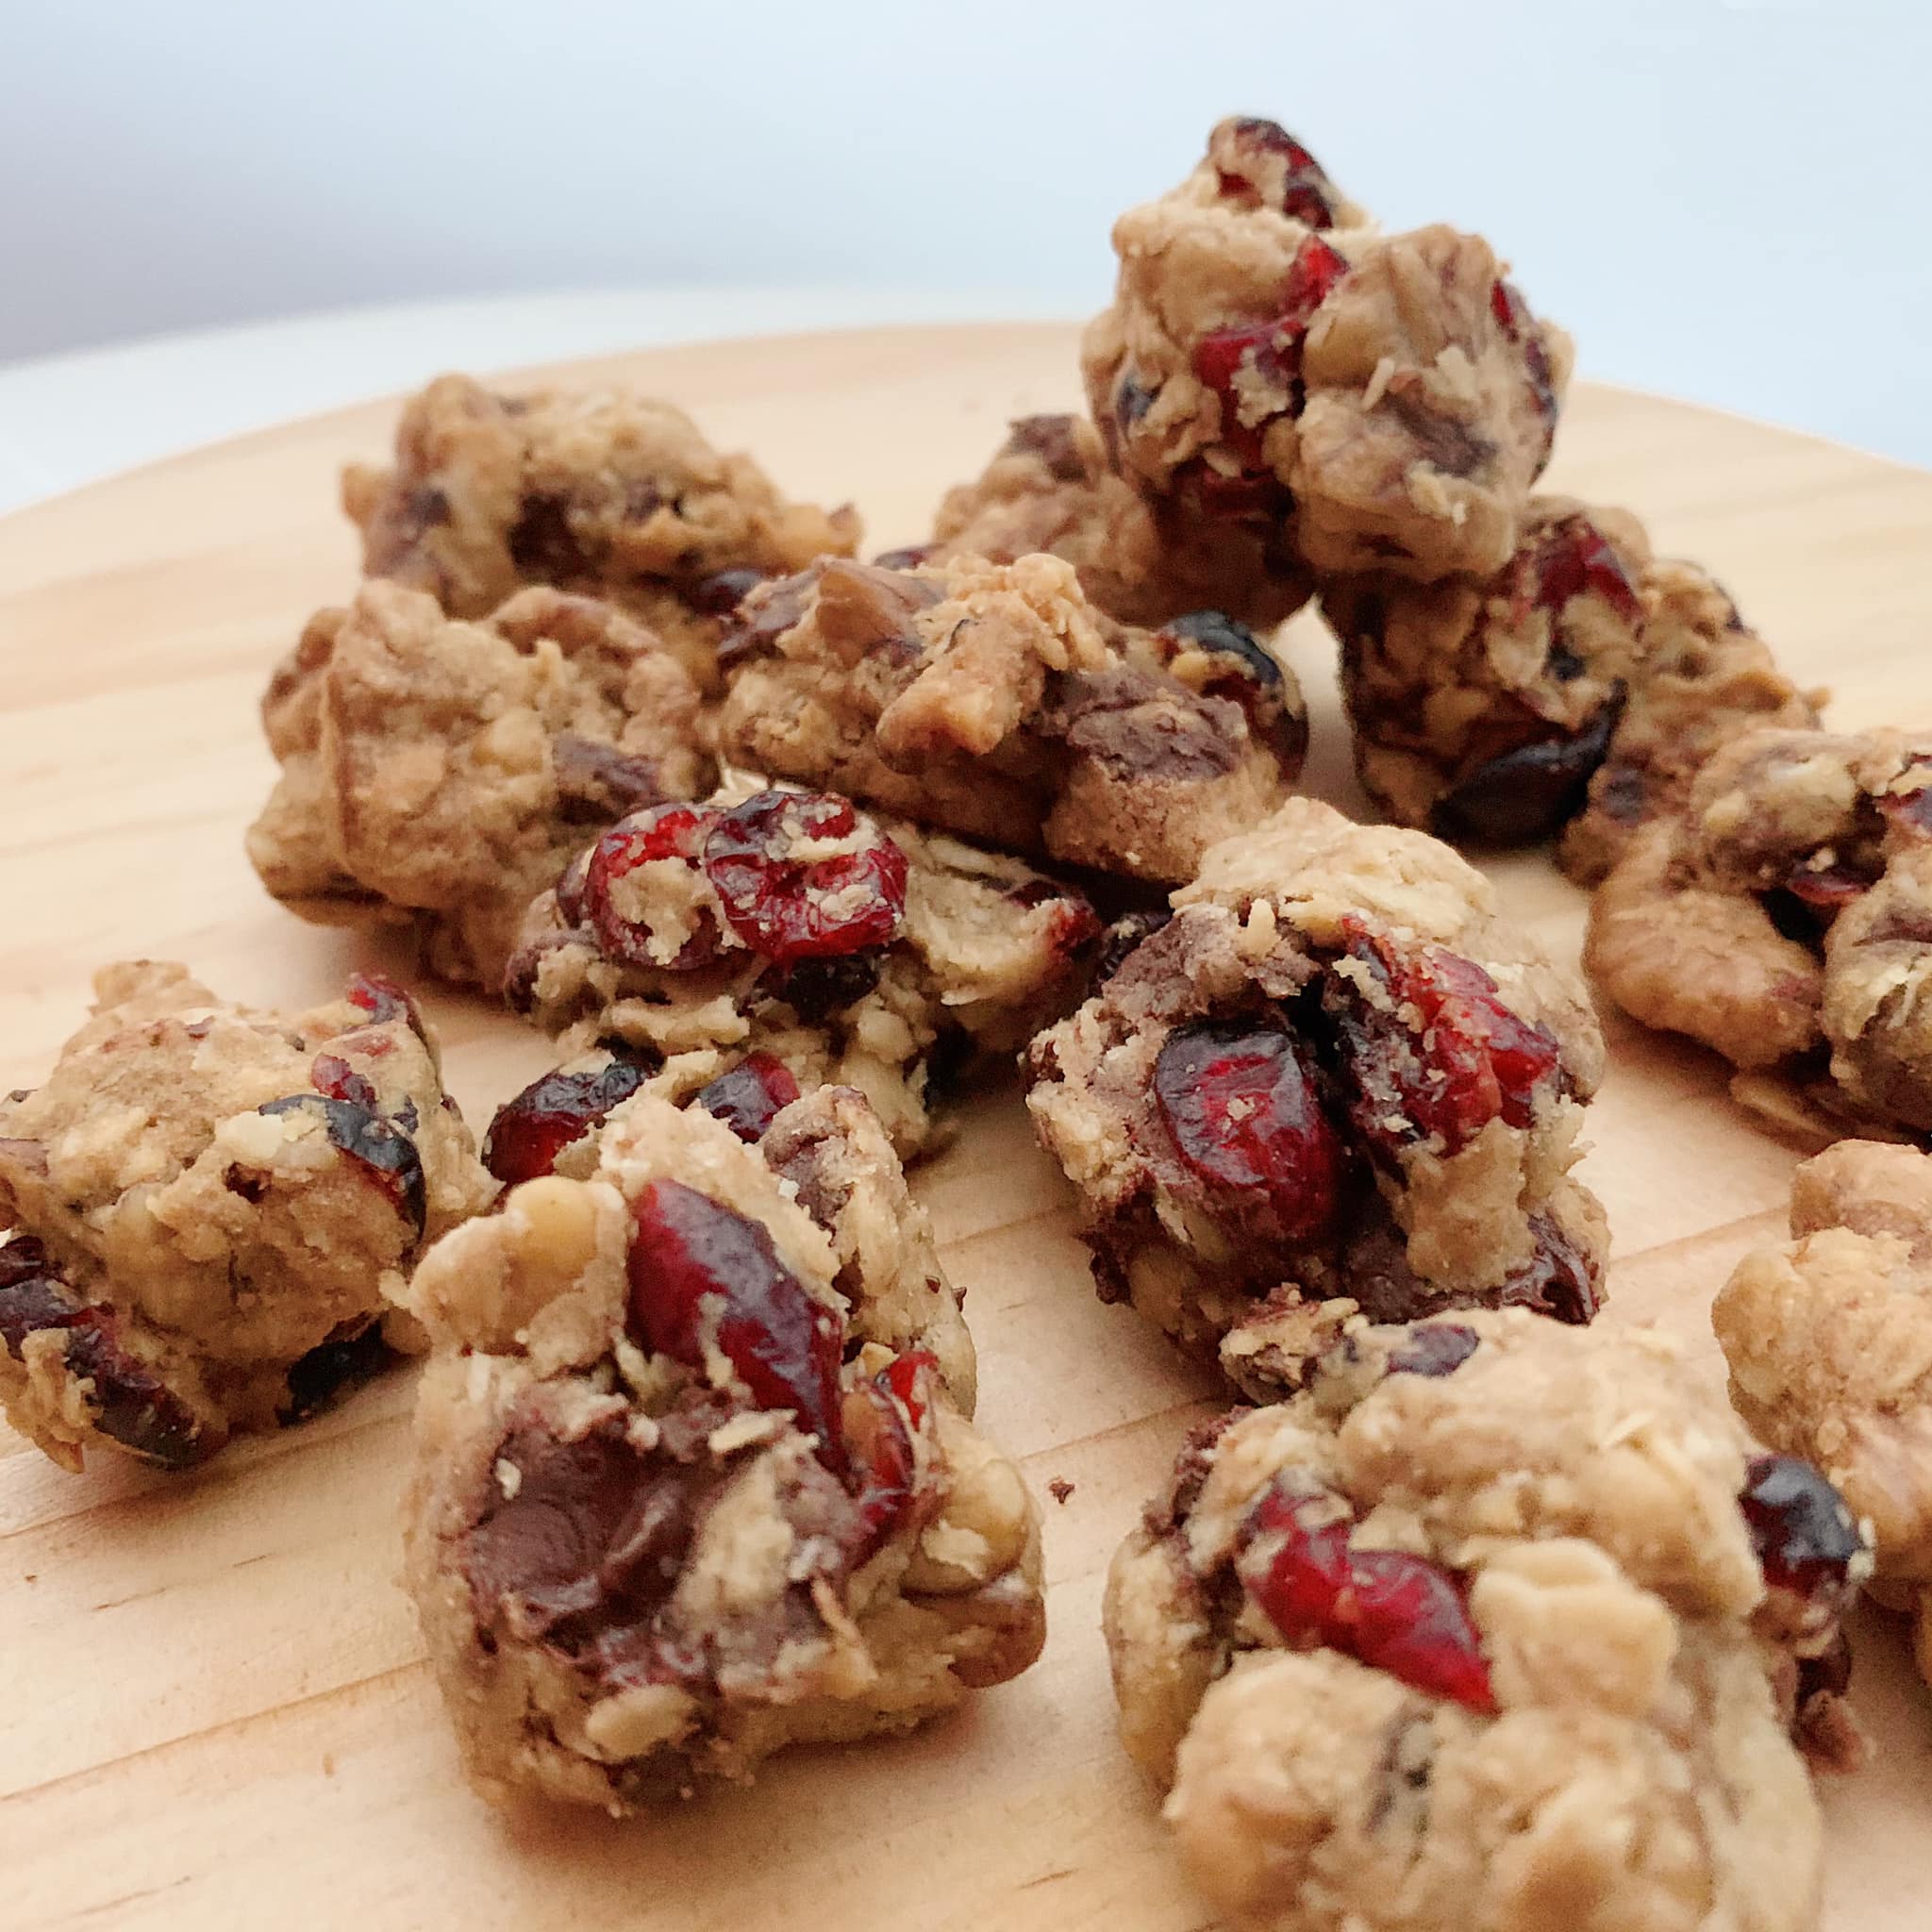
(1465,1613)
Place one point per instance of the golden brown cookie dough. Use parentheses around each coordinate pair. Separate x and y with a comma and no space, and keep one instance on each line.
(206,1208)
(1336,1079)
(693,1480)
(1378,402)
(1050,487)
(854,950)
(1495,1625)
(1829,1341)
(1782,917)
(605,491)
(995,701)
(439,772)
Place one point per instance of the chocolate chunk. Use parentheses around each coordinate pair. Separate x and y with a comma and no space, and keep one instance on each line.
(330,1370)
(1525,793)
(1445,443)
(596,782)
(1138,726)
(1052,440)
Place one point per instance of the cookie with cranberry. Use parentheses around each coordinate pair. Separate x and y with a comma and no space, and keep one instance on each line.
(1496,1625)
(207,1210)
(1372,402)
(437,773)
(1050,487)
(605,491)
(792,925)
(995,701)
(694,1477)
(1337,1079)
(1781,917)
(1829,1341)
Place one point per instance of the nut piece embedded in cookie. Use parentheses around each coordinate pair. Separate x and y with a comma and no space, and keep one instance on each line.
(994,700)
(1384,403)
(1783,916)
(437,772)
(1049,487)
(693,1480)
(1829,1341)
(606,491)
(853,950)
(207,1206)
(1493,1625)
(1336,1079)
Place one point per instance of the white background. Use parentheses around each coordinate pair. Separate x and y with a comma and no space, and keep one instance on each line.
(1723,199)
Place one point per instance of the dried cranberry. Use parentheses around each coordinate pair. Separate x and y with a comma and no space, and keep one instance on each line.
(1522,794)
(817,988)
(533,1128)
(1514,319)
(1805,1539)
(382,999)
(748,1097)
(380,1149)
(660,832)
(1907,811)
(1439,1349)
(1573,559)
(321,1377)
(1432,1049)
(335,1077)
(788,906)
(879,1446)
(1244,1116)
(1219,496)
(720,594)
(698,1272)
(901,1376)
(1396,1612)
(129,1404)
(1561,1279)
(1827,888)
(1117,943)
(1304,189)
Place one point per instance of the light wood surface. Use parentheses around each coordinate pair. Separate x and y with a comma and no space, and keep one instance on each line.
(216,1708)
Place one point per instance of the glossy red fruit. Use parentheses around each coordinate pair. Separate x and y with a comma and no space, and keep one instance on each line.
(1244,1113)
(698,1269)
(1827,888)
(658,832)
(1434,1051)
(375,1146)
(901,1376)
(1253,496)
(1561,1279)
(533,1128)
(333,1075)
(1574,558)
(1395,1612)
(1261,151)
(1514,319)
(878,1445)
(784,900)
(1806,1538)
(748,1097)
(382,999)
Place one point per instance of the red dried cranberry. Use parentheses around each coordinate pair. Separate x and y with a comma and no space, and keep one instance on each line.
(659,832)
(1396,1612)
(1827,888)
(1439,1349)
(1244,1116)
(689,1251)
(1907,811)
(381,1151)
(879,1446)
(902,1375)
(1574,559)
(533,1128)
(1306,191)
(747,1097)
(720,594)
(1514,319)
(1250,496)
(335,1077)
(382,999)
(1561,1280)
(786,907)
(1435,1053)
(1805,1539)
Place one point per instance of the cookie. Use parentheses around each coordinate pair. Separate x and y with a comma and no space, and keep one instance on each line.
(211,1209)
(1497,1625)
(1576,691)
(1780,917)
(1829,1341)
(1050,487)
(854,950)
(1376,402)
(605,491)
(437,772)
(996,702)
(693,1478)
(1336,1079)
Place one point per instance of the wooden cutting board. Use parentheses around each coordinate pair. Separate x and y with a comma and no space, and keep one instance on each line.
(216,1708)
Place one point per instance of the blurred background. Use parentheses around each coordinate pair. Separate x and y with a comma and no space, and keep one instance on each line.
(1722,199)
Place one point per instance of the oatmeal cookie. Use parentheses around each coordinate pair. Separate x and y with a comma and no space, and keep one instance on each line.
(1493,1625)
(1782,917)
(606,491)
(1378,402)
(207,1207)
(693,1480)
(1829,1341)
(994,700)
(437,772)
(1050,487)
(854,950)
(1336,1080)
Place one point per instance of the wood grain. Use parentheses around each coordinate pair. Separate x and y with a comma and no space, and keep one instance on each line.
(217,1712)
